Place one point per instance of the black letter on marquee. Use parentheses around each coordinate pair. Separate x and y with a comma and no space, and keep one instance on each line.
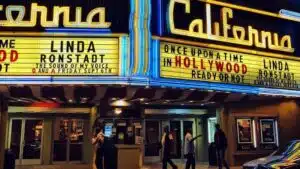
(6,67)
(92,47)
(12,44)
(80,46)
(193,74)
(3,43)
(102,58)
(70,46)
(86,59)
(52,47)
(286,67)
(166,48)
(43,58)
(167,62)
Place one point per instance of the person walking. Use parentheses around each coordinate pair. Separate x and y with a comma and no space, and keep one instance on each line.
(221,146)
(166,145)
(189,149)
(98,140)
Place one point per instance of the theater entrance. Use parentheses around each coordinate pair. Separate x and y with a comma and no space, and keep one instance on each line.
(154,132)
(25,139)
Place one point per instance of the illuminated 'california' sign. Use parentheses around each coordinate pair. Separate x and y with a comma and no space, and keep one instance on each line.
(97,14)
(223,31)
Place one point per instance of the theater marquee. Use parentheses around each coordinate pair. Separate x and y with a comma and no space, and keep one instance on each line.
(58,56)
(204,64)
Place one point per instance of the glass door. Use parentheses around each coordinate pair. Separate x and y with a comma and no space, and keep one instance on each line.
(26,140)
(178,128)
(76,140)
(61,130)
(68,140)
(15,138)
(152,141)
(153,134)
(175,130)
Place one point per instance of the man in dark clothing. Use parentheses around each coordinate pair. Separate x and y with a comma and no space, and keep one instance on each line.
(109,151)
(221,146)
(166,144)
(105,151)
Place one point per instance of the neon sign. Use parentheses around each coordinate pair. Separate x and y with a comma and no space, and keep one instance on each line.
(233,34)
(57,12)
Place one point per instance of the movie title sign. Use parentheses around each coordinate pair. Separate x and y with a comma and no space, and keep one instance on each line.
(225,24)
(204,64)
(35,15)
(58,56)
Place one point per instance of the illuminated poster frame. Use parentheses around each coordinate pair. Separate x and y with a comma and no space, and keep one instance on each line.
(263,130)
(246,134)
(241,131)
(271,131)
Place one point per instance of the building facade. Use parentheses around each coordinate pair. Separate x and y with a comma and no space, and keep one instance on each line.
(140,65)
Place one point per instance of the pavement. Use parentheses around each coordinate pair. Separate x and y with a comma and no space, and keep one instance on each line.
(182,166)
(56,166)
(85,166)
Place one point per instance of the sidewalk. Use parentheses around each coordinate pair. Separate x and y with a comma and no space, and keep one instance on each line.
(182,166)
(85,166)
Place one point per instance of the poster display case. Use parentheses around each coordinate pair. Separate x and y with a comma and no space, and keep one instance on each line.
(268,134)
(245,134)
(257,133)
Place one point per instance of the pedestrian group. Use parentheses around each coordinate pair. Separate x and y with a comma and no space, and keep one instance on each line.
(104,149)
(189,148)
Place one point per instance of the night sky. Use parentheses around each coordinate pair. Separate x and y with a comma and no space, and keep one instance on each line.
(269,5)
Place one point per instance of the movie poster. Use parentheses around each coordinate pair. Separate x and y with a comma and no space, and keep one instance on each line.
(267,129)
(244,130)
